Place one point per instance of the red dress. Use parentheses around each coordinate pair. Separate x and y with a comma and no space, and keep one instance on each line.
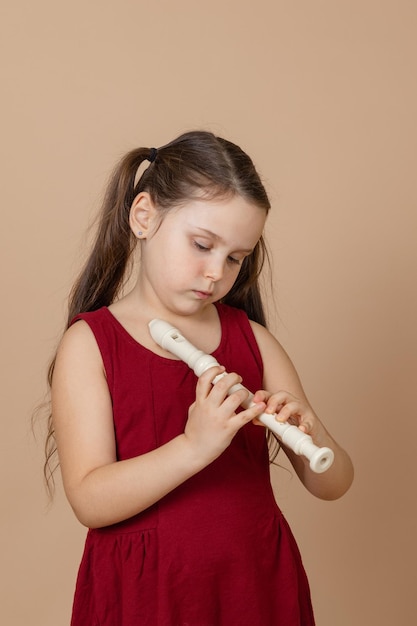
(216,551)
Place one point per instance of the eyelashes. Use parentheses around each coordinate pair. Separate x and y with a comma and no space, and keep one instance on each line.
(202,248)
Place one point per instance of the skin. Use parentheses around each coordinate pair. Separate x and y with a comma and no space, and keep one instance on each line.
(189,260)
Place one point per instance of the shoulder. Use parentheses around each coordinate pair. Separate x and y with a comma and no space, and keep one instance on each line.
(88,333)
(78,333)
(263,336)
(279,371)
(79,377)
(94,319)
(78,348)
(269,346)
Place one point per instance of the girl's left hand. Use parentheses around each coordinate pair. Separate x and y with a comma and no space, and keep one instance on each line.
(290,409)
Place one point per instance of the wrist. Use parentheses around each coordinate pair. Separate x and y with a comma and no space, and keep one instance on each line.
(193,456)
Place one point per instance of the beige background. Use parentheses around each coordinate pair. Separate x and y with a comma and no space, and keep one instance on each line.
(323,95)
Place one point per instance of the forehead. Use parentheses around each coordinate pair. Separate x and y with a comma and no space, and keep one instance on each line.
(231,220)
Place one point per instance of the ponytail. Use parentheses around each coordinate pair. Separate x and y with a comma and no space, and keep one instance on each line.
(102,276)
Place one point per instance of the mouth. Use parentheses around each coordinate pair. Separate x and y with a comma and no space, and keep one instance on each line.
(203,295)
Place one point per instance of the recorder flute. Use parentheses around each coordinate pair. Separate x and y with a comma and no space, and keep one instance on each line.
(172,340)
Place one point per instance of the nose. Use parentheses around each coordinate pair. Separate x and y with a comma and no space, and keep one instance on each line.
(214,271)
(212,275)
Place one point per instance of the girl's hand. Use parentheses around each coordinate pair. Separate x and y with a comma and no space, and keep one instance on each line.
(212,418)
(290,409)
(328,485)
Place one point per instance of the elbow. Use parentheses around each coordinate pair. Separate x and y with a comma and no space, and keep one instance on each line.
(331,495)
(85,515)
(86,508)
(336,487)
(86,520)
(91,518)
(94,509)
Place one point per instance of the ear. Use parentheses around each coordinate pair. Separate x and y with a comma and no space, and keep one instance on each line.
(142,215)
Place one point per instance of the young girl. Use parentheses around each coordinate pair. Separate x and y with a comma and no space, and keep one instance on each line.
(168,473)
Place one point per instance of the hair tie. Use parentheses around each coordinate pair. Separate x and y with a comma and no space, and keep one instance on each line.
(153,153)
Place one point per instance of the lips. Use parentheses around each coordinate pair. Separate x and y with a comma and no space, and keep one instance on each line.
(203,294)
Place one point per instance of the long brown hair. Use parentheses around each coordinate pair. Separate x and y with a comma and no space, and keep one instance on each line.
(195,164)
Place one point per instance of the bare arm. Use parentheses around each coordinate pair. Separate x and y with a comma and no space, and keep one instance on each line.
(286,397)
(102,490)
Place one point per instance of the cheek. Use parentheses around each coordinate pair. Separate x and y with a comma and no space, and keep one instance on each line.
(229,279)
(234,279)
(176,268)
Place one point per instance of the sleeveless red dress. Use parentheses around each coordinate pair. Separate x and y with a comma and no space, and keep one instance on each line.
(216,551)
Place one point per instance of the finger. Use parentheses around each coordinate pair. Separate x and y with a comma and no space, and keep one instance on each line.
(236,399)
(292,409)
(306,427)
(257,422)
(261,396)
(276,401)
(225,387)
(205,381)
(252,413)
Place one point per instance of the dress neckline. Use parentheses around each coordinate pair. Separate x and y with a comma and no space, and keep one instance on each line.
(123,331)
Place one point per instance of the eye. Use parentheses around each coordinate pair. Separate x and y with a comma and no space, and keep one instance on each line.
(200,247)
(230,259)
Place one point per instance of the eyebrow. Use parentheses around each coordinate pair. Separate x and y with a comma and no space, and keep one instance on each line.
(219,238)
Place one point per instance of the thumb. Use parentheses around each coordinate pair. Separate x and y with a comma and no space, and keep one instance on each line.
(261,396)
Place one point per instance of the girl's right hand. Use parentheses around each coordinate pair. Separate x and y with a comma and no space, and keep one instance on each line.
(212,418)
